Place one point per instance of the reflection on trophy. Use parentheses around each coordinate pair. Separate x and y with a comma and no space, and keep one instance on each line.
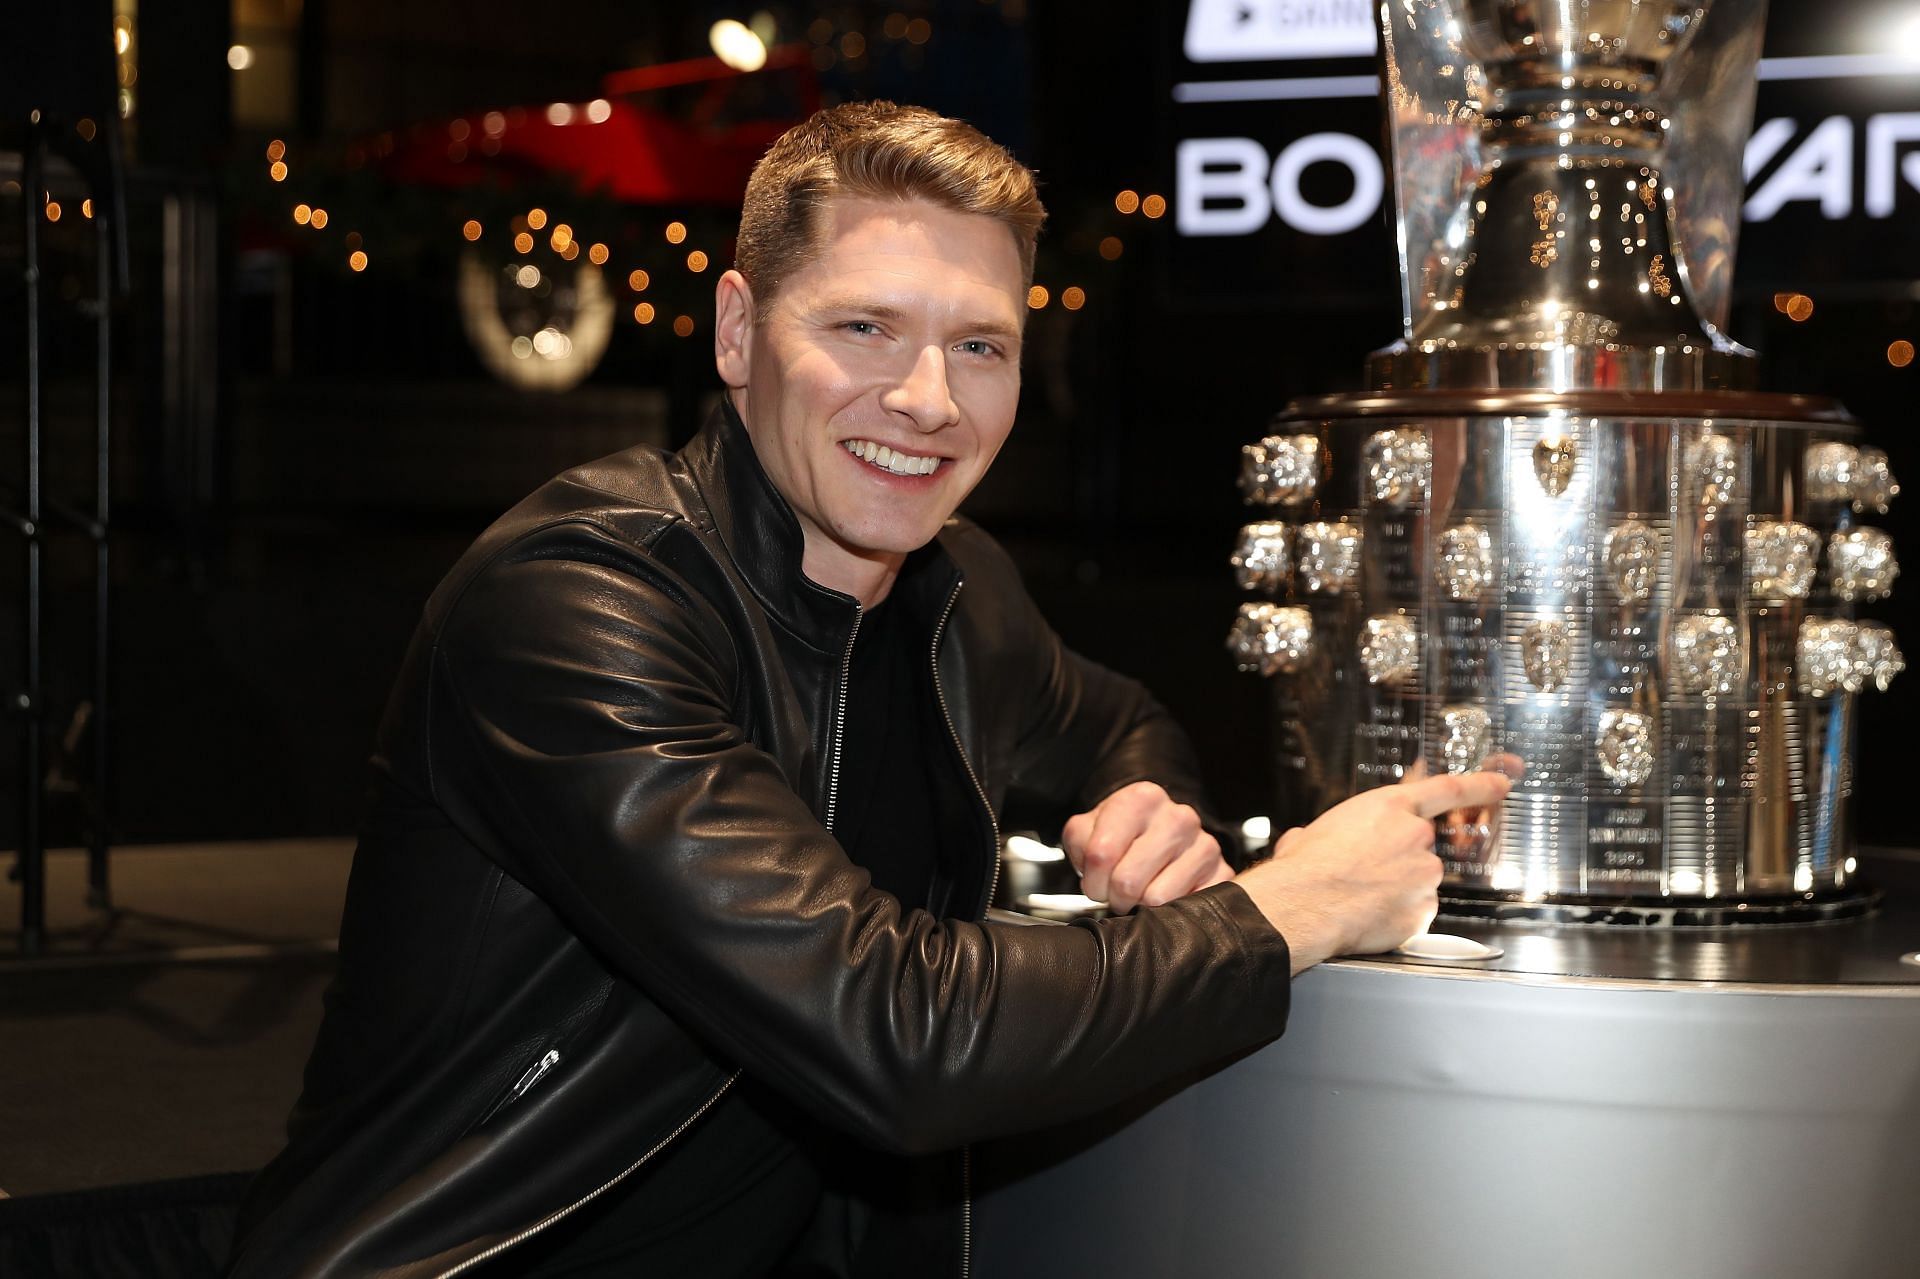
(1560,526)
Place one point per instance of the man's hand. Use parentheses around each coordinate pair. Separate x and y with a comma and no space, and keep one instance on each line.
(1138,847)
(1363,877)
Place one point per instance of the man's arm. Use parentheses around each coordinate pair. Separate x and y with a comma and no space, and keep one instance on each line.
(583,737)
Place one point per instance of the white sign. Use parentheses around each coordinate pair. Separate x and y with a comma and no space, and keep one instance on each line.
(1279,30)
(1231,186)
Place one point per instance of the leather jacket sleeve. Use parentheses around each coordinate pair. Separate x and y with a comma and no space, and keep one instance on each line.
(1085,730)
(582,732)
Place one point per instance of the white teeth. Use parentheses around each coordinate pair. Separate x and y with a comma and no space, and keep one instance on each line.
(890,460)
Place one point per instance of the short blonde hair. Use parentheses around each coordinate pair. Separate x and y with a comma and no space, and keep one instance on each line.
(881,151)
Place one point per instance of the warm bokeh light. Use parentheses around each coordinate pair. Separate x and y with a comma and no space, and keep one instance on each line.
(696,261)
(276,150)
(572,250)
(1780,301)
(319,219)
(735,44)
(638,281)
(472,229)
(895,26)
(279,171)
(1037,296)
(1073,297)
(536,218)
(1127,201)
(562,236)
(353,239)
(239,57)
(1900,353)
(676,232)
(527,277)
(86,129)
(820,30)
(86,208)
(1154,206)
(523,243)
(459,130)
(560,113)
(358,260)
(643,312)
(919,31)
(494,123)
(597,254)
(599,111)
(302,214)
(1799,307)
(853,44)
(683,326)
(1111,248)
(53,210)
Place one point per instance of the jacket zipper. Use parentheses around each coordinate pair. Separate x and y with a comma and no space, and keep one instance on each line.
(586,1199)
(840,719)
(534,1074)
(993,884)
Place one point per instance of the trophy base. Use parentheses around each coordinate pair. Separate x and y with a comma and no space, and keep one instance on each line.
(1660,912)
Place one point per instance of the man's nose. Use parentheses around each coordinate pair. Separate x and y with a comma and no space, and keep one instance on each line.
(923,394)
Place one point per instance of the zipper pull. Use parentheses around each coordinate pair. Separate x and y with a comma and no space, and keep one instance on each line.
(535,1073)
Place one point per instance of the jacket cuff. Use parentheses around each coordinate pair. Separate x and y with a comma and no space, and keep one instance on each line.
(1268,962)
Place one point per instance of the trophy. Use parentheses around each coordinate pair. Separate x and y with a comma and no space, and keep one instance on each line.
(1560,534)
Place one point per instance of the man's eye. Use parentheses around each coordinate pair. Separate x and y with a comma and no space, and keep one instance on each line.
(863,327)
(977,346)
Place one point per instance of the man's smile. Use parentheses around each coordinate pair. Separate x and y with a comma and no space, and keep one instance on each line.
(895,461)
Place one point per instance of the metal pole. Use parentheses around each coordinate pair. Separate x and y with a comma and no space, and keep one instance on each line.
(99,892)
(32,868)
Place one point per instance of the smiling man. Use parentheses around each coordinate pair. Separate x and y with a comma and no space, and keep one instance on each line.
(665,949)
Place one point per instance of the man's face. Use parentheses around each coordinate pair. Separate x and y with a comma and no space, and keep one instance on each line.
(883,378)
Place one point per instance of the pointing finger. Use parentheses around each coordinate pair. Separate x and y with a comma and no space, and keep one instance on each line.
(1433,796)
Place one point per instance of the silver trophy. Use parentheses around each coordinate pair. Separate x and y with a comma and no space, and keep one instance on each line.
(1560,535)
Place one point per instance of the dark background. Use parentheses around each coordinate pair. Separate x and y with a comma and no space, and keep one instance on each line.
(300,450)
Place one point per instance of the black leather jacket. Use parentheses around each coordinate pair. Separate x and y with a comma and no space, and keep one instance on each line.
(599,882)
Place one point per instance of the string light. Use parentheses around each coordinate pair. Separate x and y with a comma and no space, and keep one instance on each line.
(472,229)
(1037,296)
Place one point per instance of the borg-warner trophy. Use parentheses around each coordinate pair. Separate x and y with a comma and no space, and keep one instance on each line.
(1560,534)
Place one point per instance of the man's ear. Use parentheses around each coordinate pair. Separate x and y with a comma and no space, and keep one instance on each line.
(732,328)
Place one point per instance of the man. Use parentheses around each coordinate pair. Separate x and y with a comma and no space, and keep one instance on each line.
(663,953)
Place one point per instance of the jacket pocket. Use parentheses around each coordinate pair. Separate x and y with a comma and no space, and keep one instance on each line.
(529,1080)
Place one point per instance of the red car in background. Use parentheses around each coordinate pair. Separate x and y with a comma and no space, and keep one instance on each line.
(535,298)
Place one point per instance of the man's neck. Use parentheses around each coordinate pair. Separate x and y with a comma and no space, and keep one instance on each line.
(835,567)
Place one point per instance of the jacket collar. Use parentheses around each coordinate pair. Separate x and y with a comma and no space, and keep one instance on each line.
(763,537)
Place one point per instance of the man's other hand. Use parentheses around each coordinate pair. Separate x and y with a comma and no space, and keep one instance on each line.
(1138,847)
(1363,877)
